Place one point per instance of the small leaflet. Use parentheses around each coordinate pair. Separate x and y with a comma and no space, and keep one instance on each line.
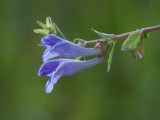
(41,31)
(107,37)
(132,42)
(111,55)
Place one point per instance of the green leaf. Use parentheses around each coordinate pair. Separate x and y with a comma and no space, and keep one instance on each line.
(132,41)
(42,25)
(139,50)
(134,44)
(48,22)
(53,29)
(111,55)
(41,31)
(49,28)
(107,37)
(59,31)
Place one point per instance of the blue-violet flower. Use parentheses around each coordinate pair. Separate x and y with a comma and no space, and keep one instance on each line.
(54,69)
(58,47)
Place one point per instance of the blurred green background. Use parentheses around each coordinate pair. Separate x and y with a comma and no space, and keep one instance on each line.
(131,91)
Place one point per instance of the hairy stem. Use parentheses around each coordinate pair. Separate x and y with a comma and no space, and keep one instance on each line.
(116,37)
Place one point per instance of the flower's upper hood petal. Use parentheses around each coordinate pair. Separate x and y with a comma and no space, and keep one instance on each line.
(50,40)
(48,67)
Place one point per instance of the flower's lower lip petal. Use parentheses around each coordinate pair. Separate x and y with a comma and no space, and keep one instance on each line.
(50,84)
(46,55)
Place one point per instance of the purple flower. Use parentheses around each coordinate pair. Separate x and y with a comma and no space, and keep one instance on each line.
(58,47)
(54,69)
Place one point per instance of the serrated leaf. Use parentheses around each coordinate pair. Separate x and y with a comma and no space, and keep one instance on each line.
(141,50)
(41,31)
(42,25)
(111,55)
(132,41)
(107,37)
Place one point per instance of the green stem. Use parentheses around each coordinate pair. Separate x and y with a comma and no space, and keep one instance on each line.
(116,37)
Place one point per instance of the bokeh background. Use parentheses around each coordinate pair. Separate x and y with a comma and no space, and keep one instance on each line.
(131,91)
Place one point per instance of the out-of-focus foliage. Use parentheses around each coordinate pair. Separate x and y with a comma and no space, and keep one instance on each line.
(131,91)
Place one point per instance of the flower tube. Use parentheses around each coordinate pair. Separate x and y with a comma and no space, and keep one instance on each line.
(54,69)
(58,47)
